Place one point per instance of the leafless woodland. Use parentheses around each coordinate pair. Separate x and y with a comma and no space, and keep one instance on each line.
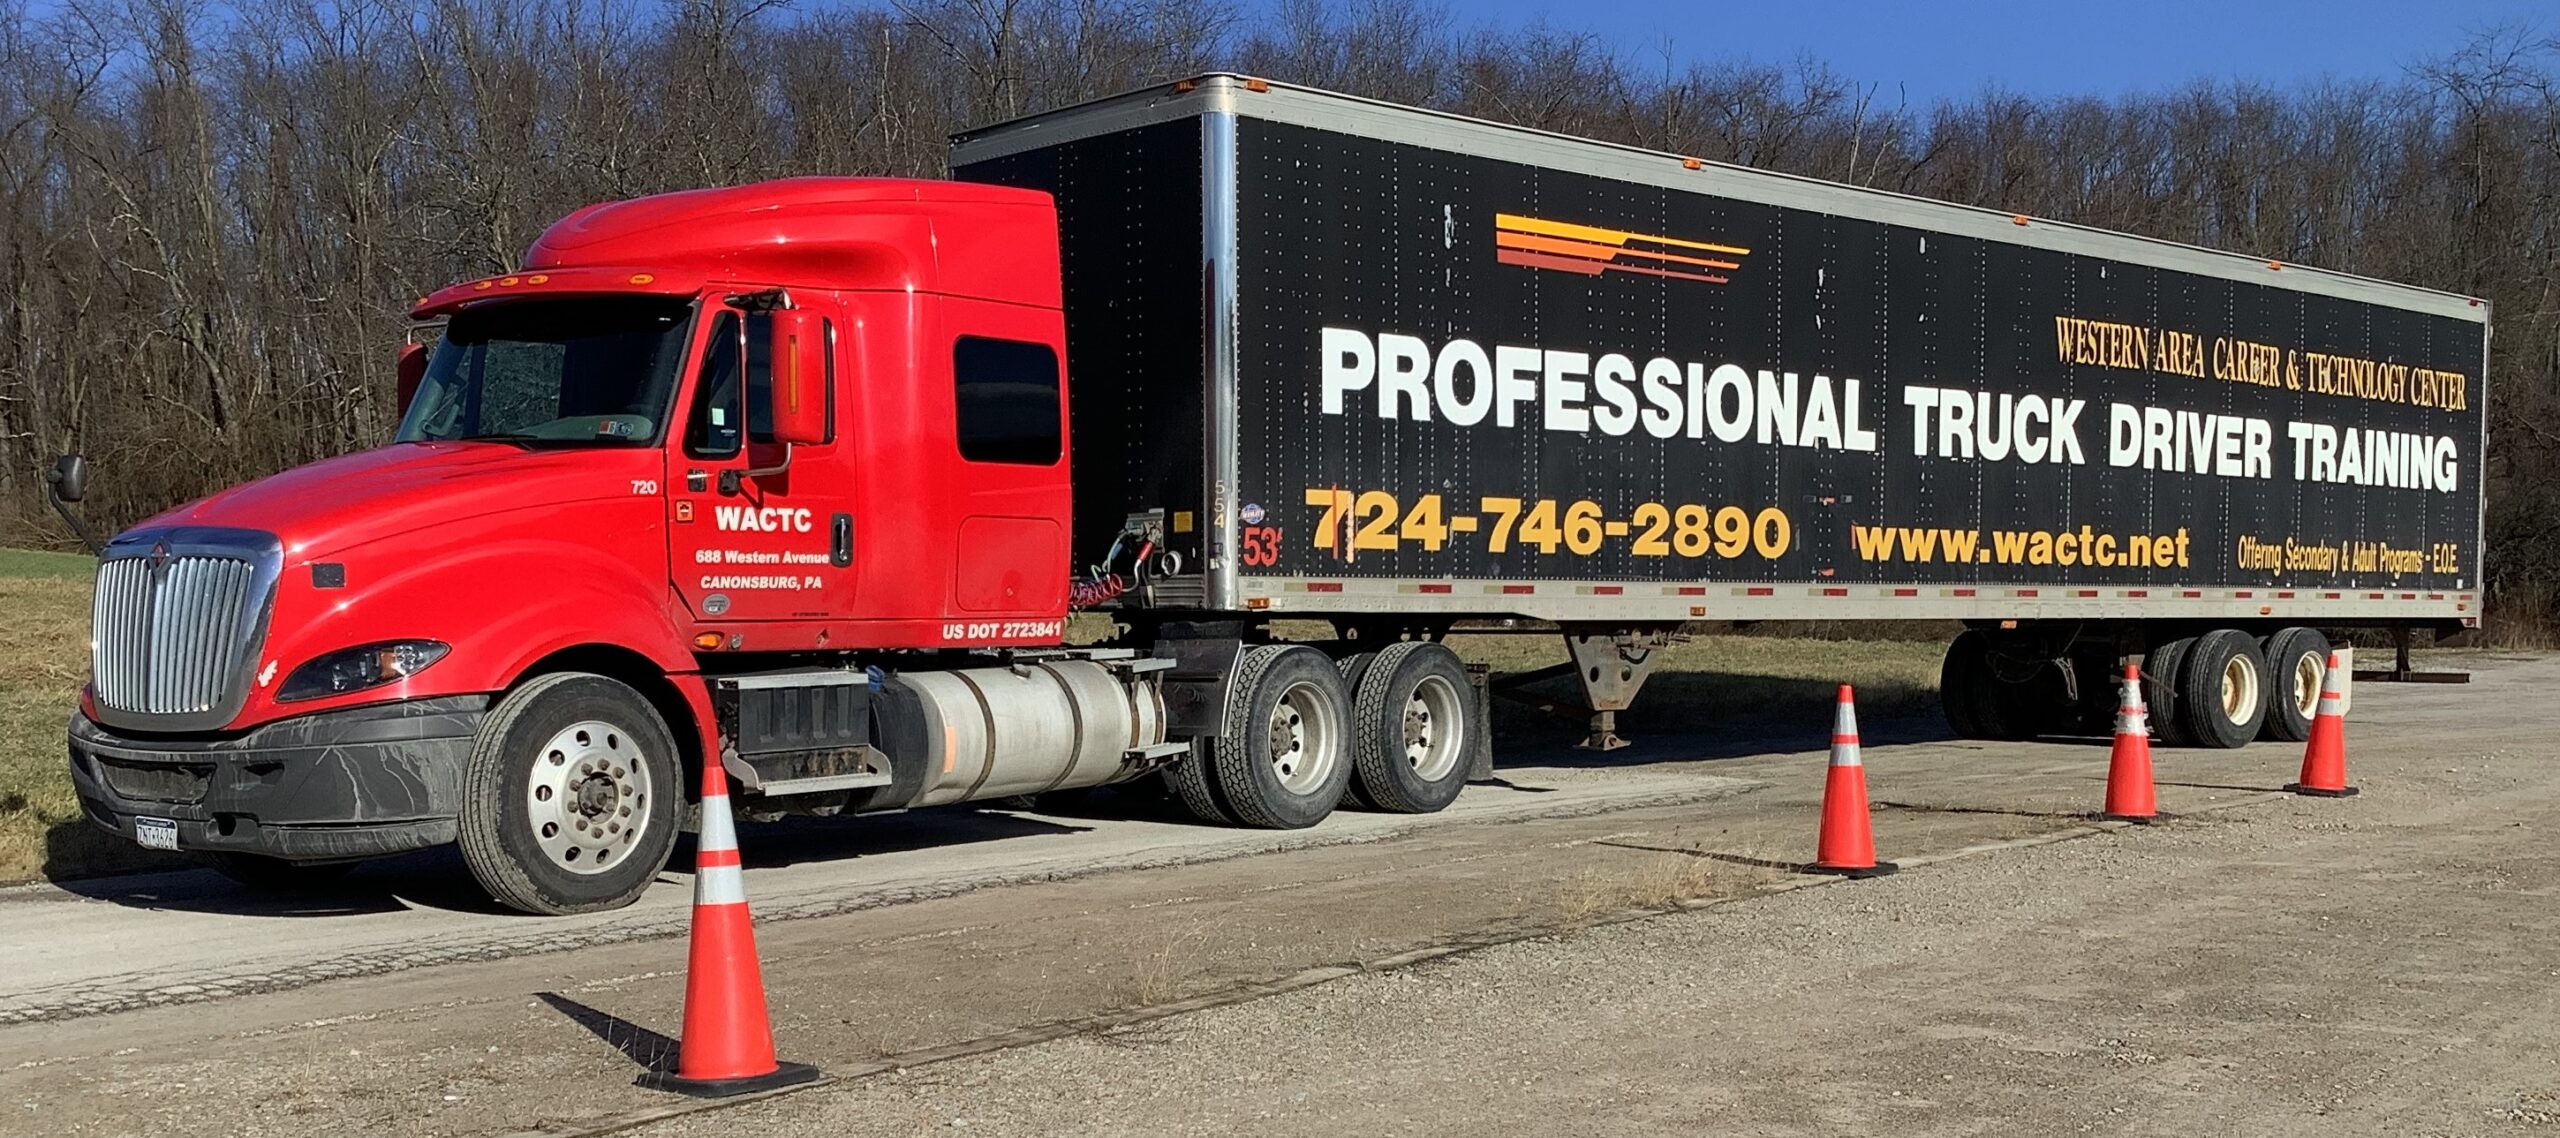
(217,213)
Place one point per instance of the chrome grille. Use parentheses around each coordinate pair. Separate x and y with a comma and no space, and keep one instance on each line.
(171,632)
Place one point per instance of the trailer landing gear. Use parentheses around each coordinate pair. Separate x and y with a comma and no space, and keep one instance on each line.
(1611,665)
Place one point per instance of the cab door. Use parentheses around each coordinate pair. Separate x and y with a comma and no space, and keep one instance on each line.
(758,531)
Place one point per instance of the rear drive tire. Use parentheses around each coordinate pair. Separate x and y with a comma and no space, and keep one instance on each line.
(2296,660)
(1353,667)
(1415,722)
(277,875)
(2222,689)
(570,797)
(2160,691)
(1285,758)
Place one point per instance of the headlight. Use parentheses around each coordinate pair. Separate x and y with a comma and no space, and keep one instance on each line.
(363,666)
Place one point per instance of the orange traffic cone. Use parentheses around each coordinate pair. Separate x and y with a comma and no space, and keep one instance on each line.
(2129,791)
(728,1041)
(2324,760)
(1847,845)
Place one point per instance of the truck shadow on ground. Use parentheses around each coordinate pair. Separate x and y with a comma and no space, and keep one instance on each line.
(437,879)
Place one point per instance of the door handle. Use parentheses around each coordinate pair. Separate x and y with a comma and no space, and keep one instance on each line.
(840,550)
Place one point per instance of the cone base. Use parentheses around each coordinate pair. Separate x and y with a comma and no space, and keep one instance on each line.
(1879,869)
(2323,791)
(784,1075)
(2138,819)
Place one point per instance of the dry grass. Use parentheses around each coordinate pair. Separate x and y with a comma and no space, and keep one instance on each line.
(1657,879)
(43,659)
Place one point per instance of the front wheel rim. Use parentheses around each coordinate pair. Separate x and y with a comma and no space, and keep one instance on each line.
(1304,738)
(587,797)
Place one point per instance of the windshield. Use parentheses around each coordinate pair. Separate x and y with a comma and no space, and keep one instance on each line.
(594,371)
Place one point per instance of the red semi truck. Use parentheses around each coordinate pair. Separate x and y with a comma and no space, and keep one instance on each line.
(782,476)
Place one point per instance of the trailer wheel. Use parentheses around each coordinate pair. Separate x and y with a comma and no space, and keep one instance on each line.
(2296,659)
(1414,723)
(2160,690)
(570,796)
(1285,758)
(2222,689)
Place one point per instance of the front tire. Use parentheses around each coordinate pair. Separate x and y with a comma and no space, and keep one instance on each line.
(570,796)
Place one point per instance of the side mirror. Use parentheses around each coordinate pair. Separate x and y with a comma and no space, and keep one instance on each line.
(65,484)
(799,380)
(70,477)
(413,371)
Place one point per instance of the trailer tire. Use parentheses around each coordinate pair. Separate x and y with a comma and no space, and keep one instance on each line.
(581,748)
(2222,689)
(2160,690)
(2296,661)
(1414,724)
(1284,760)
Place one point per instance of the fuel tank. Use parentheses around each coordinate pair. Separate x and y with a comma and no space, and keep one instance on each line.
(1033,728)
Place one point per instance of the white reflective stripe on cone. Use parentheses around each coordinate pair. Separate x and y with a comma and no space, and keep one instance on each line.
(717,832)
(719,885)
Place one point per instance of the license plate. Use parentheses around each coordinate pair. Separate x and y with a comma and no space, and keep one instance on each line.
(156,833)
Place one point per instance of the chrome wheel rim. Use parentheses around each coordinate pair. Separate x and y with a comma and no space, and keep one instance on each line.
(587,799)
(1304,738)
(1435,728)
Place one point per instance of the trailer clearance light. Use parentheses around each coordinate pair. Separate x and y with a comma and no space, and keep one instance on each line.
(363,666)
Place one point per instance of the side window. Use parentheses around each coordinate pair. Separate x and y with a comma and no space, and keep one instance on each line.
(711,431)
(735,389)
(1008,401)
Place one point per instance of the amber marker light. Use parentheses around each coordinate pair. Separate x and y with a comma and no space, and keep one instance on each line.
(642,278)
(2019,219)
(1257,86)
(708,642)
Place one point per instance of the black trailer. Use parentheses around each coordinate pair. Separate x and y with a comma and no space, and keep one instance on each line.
(1397,369)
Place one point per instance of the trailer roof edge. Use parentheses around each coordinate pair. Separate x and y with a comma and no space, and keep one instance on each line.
(1441,130)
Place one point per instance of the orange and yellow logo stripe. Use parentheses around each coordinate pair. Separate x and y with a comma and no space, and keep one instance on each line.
(1591,250)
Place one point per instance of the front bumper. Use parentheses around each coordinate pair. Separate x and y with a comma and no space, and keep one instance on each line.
(359,782)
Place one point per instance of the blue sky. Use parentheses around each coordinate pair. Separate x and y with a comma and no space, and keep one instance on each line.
(1940,48)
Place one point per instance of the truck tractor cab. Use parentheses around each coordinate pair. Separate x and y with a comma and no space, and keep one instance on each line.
(694,436)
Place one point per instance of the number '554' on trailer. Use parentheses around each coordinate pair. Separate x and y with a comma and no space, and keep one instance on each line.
(804,479)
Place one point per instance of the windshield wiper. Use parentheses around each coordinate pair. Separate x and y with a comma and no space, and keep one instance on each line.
(502,436)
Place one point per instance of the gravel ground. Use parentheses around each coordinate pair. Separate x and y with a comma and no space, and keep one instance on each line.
(2380,965)
(2265,966)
